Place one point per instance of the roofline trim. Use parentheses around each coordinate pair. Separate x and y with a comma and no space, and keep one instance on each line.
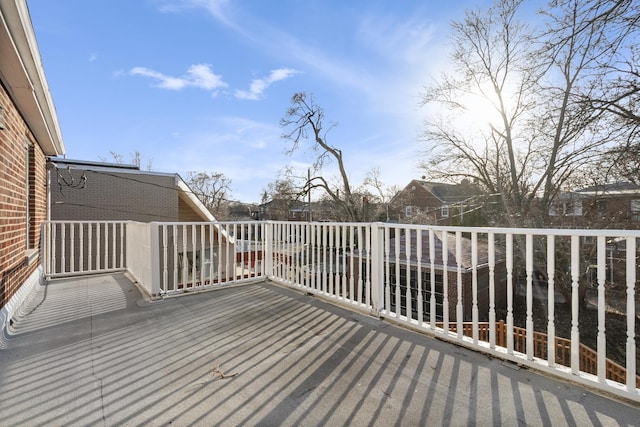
(28,86)
(193,200)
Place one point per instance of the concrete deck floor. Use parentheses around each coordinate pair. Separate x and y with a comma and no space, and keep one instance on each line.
(92,351)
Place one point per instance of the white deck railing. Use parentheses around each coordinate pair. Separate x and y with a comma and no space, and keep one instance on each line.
(83,247)
(525,295)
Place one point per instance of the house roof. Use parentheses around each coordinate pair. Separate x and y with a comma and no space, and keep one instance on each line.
(448,193)
(452,259)
(23,76)
(616,188)
(184,191)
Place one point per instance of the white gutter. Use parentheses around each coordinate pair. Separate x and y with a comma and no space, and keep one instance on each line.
(22,74)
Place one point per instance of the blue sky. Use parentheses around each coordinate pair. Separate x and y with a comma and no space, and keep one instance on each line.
(201,85)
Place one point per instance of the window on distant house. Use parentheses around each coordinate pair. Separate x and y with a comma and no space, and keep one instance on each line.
(568,208)
(635,209)
(601,205)
(444,211)
(577,208)
(408,211)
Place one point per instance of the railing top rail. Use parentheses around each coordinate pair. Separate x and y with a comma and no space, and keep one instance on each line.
(88,222)
(180,223)
(533,231)
(479,230)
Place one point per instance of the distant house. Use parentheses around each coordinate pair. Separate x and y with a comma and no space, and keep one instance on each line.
(29,131)
(239,211)
(285,210)
(614,205)
(435,203)
(398,275)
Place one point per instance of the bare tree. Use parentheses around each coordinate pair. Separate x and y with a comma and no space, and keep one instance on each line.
(533,79)
(282,194)
(213,189)
(380,197)
(563,103)
(617,94)
(304,122)
(136,158)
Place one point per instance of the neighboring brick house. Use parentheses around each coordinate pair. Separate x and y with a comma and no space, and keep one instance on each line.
(434,203)
(614,205)
(92,191)
(29,131)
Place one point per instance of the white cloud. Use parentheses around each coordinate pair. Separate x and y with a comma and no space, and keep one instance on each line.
(93,57)
(258,86)
(198,75)
(220,10)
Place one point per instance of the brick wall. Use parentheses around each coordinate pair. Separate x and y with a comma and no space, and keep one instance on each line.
(17,148)
(106,195)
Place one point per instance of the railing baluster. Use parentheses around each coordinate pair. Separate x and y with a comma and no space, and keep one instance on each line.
(459,305)
(63,257)
(345,285)
(492,289)
(601,340)
(280,250)
(352,262)
(251,256)
(509,265)
(107,246)
(81,258)
(387,270)
(445,281)
(551,325)
(202,253)
(194,257)
(113,244)
(420,290)
(277,251)
(223,262)
(185,263)
(165,259)
(631,314)
(398,294)
(529,272)
(575,303)
(432,279)
(174,245)
(331,271)
(313,256)
(367,284)
(296,254)
(123,232)
(474,286)
(361,248)
(306,269)
(325,258)
(46,251)
(72,247)
(99,247)
(90,260)
(407,292)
